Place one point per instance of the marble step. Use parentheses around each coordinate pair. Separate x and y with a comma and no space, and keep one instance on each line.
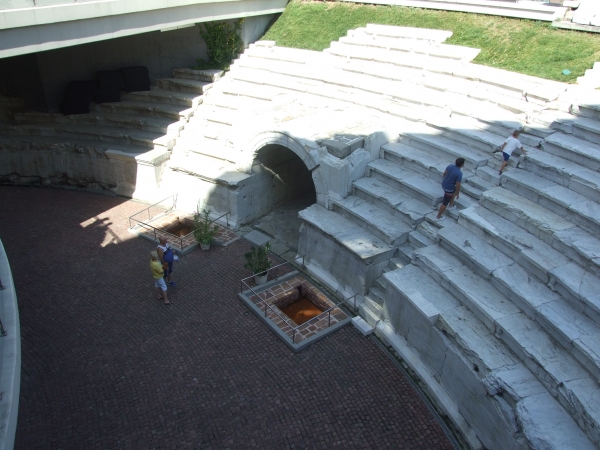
(164,96)
(360,49)
(532,89)
(252,90)
(469,288)
(377,295)
(467,132)
(184,85)
(576,177)
(515,105)
(538,257)
(491,361)
(535,299)
(580,127)
(479,183)
(380,283)
(430,140)
(235,102)
(551,228)
(488,117)
(146,109)
(471,191)
(436,50)
(574,149)
(449,91)
(555,120)
(213,170)
(587,129)
(364,245)
(418,240)
(287,54)
(560,200)
(208,147)
(333,83)
(551,267)
(398,59)
(418,34)
(104,118)
(202,129)
(419,161)
(488,174)
(373,219)
(93,133)
(554,367)
(401,205)
(207,75)
(19,143)
(495,162)
(418,186)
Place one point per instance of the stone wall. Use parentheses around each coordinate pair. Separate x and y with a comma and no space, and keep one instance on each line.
(280,176)
(24,163)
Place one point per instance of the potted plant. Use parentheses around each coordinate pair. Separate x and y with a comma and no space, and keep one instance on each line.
(204,230)
(258,262)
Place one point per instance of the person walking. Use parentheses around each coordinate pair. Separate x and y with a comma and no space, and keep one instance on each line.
(451,186)
(510,145)
(166,256)
(158,273)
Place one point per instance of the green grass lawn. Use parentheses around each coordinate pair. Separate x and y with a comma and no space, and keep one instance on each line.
(526,46)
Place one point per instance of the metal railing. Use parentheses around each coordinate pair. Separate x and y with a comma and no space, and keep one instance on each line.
(135,220)
(286,319)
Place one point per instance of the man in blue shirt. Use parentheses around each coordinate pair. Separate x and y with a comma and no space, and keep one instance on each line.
(451,186)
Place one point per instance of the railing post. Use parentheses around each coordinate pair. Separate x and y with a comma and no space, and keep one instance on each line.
(329,324)
(265,309)
(294,337)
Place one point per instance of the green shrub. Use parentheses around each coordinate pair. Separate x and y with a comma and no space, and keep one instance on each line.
(257,259)
(204,230)
(224,44)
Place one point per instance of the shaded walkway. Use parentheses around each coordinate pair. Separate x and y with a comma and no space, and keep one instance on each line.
(105,365)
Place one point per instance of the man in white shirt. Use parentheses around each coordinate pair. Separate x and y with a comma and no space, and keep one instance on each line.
(509,146)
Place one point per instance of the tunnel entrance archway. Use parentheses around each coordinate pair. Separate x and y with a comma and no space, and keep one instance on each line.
(288,176)
(290,189)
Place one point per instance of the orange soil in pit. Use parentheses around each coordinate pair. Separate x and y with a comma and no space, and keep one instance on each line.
(180,230)
(301,311)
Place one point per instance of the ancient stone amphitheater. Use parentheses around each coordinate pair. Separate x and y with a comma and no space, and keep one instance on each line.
(496,310)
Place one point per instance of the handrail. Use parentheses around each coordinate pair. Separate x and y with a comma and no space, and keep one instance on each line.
(308,322)
(173,206)
(156,230)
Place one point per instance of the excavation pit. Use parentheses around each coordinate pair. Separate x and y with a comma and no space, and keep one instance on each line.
(295,310)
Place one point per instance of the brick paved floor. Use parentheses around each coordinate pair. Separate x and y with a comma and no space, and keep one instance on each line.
(105,365)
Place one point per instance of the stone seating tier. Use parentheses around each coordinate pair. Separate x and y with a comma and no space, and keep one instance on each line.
(472,364)
(101,118)
(556,231)
(164,96)
(554,367)
(291,74)
(107,134)
(150,109)
(564,172)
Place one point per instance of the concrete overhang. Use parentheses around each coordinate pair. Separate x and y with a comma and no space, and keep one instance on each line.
(36,29)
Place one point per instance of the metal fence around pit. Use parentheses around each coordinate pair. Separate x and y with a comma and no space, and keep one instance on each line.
(160,209)
(287,321)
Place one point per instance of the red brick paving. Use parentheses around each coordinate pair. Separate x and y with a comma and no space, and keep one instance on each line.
(105,365)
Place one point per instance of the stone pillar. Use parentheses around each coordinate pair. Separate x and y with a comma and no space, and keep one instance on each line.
(138,175)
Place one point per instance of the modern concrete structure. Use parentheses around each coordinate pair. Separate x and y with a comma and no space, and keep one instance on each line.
(44,47)
(35,26)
